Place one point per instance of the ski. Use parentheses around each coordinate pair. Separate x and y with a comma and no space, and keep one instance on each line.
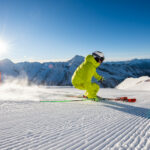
(123,99)
(84,98)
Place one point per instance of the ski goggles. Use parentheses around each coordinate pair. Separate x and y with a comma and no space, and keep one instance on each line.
(101,59)
(97,56)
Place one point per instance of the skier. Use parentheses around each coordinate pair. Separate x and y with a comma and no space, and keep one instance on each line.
(82,77)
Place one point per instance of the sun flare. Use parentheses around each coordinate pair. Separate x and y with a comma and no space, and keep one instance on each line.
(3,46)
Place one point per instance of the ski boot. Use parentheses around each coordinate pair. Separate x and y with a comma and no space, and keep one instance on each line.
(96,99)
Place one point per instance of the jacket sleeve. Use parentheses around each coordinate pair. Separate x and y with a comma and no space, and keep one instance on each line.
(97,76)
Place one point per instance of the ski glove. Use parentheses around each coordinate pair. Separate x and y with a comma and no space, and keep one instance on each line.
(102,79)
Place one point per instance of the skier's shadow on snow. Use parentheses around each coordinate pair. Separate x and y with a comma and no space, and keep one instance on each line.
(133,110)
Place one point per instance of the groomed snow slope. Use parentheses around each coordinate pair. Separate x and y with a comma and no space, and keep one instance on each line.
(26,123)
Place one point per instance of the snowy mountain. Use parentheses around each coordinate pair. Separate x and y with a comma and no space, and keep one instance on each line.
(60,73)
(142,83)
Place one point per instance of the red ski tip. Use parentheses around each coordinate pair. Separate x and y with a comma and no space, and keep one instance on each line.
(126,99)
(132,100)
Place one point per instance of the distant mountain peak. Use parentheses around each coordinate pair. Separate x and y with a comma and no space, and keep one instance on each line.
(76,58)
(6,61)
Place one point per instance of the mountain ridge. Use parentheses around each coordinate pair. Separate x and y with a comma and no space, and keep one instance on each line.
(60,73)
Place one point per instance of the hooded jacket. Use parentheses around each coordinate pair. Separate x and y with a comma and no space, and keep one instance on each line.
(86,71)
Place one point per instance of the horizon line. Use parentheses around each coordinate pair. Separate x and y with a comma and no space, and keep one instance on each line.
(65,60)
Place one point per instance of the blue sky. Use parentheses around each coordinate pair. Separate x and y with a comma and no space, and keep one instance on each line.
(41,30)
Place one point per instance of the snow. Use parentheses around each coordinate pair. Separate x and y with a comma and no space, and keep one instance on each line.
(142,83)
(26,123)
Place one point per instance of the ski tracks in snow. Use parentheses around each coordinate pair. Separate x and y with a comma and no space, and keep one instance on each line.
(74,126)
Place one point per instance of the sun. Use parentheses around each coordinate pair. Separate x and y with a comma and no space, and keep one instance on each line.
(4,46)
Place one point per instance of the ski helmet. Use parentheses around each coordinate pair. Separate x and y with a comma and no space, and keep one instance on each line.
(98,56)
